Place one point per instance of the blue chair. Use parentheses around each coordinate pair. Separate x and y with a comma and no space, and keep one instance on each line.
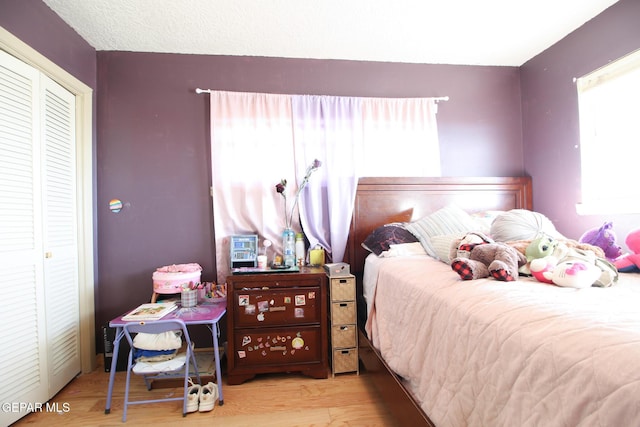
(175,368)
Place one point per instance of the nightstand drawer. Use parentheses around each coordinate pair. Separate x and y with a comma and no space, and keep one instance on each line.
(343,289)
(278,322)
(343,336)
(274,307)
(344,360)
(277,346)
(343,312)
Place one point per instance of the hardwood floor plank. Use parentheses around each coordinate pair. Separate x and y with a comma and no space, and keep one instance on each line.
(278,400)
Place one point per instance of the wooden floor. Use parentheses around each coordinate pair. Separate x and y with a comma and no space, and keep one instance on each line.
(280,400)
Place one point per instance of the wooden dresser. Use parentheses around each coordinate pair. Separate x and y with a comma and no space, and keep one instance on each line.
(277,322)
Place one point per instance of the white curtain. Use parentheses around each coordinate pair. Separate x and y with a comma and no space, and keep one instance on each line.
(400,136)
(259,139)
(251,151)
(328,128)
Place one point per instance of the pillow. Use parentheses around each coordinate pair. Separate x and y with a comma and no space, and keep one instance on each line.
(485,219)
(442,245)
(169,340)
(389,234)
(404,249)
(522,224)
(449,220)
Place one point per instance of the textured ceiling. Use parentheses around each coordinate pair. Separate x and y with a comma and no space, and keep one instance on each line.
(474,32)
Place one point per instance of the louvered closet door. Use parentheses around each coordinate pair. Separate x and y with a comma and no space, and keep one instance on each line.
(23,364)
(39,350)
(60,234)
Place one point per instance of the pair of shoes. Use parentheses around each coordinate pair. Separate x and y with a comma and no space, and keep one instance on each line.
(208,397)
(193,396)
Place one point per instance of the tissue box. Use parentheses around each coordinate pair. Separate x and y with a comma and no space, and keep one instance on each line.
(338,269)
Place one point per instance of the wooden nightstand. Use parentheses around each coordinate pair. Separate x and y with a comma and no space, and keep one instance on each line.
(277,323)
(344,332)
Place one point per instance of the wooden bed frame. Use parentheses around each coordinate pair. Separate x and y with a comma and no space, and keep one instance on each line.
(380,201)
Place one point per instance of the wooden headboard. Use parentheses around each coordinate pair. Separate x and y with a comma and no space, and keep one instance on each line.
(383,200)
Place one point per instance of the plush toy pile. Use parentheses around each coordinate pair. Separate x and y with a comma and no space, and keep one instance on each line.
(552,261)
(522,242)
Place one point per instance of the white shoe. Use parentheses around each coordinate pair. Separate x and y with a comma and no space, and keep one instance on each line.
(208,396)
(193,396)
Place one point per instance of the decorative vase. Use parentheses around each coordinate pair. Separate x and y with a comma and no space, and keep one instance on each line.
(289,247)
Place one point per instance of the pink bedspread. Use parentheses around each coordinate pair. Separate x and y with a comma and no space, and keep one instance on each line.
(489,353)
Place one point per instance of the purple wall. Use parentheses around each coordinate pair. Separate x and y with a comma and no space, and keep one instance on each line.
(38,26)
(152,147)
(550,116)
(153,150)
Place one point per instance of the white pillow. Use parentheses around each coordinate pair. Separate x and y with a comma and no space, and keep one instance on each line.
(449,220)
(485,219)
(170,340)
(442,245)
(522,224)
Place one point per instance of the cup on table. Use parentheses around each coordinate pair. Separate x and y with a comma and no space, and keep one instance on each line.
(189,297)
(262,262)
(202,293)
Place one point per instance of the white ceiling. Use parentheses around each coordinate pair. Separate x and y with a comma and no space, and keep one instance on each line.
(473,32)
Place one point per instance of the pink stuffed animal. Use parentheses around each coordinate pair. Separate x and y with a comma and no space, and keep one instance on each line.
(630,262)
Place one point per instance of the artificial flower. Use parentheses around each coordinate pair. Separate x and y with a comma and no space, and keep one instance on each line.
(282,186)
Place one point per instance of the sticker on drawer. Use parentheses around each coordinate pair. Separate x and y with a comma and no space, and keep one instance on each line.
(293,346)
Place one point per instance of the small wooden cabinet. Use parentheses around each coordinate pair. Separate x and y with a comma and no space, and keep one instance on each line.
(277,323)
(343,324)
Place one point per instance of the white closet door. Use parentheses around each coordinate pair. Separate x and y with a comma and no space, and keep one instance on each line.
(40,351)
(60,233)
(23,363)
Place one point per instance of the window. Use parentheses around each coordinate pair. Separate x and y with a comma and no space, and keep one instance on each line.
(609,137)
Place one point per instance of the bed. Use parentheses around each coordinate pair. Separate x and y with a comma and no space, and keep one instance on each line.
(448,352)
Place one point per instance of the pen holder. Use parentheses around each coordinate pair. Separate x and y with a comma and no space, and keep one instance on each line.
(202,293)
(189,298)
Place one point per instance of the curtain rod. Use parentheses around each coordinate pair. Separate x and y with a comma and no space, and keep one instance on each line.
(435,98)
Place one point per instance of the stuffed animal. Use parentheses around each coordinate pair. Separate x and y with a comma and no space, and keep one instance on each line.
(630,262)
(485,259)
(542,268)
(568,266)
(537,248)
(567,274)
(542,255)
(605,238)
